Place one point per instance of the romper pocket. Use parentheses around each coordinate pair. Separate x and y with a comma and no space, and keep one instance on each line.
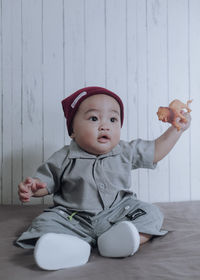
(64,213)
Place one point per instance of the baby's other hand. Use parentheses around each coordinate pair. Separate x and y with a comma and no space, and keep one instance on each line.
(28,188)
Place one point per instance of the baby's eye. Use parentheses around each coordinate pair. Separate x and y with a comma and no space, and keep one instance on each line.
(113,119)
(93,118)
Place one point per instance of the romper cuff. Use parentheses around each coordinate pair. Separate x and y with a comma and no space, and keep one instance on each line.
(144,151)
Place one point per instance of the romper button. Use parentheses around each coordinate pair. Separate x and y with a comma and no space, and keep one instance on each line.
(127,207)
(101,186)
(61,212)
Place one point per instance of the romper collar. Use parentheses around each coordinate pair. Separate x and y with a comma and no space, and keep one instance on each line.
(77,152)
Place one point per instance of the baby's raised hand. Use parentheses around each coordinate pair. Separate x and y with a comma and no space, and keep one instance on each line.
(184,125)
(29,188)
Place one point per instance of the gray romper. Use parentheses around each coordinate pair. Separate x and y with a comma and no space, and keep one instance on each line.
(92,193)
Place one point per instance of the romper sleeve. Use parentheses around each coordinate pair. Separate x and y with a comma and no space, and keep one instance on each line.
(139,153)
(143,154)
(50,171)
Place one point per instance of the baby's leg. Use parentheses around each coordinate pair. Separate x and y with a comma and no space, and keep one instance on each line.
(55,251)
(144,238)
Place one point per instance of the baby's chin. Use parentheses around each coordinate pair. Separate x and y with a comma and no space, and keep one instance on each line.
(101,150)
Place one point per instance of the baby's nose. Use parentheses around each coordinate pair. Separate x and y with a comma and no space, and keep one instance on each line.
(104,126)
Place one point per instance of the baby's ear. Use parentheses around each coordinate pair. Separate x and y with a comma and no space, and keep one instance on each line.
(72,135)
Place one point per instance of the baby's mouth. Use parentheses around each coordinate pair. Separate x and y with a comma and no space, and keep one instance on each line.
(103,139)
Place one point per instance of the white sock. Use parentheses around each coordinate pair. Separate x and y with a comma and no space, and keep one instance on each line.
(121,240)
(57,251)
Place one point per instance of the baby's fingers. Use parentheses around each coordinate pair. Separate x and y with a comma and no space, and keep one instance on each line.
(24,197)
(40,185)
(23,188)
(37,184)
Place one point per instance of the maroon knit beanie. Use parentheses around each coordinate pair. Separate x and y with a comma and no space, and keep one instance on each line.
(71,103)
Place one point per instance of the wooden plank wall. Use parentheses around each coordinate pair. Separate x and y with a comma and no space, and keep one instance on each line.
(147,51)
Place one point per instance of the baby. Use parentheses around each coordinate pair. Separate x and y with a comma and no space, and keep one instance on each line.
(90,180)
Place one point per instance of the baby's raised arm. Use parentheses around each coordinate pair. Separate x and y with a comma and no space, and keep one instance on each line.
(168,139)
(31,187)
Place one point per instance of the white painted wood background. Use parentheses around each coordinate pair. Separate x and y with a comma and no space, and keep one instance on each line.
(147,51)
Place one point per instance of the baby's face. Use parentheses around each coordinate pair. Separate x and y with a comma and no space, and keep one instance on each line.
(97,124)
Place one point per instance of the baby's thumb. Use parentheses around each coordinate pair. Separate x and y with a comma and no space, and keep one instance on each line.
(40,185)
(36,185)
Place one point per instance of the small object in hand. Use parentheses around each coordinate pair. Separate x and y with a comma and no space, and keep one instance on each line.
(173,112)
